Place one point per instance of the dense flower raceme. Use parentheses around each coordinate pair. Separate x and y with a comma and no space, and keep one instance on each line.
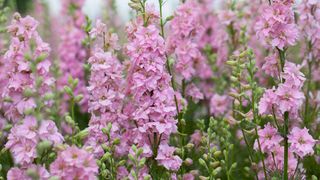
(106,92)
(20,76)
(152,96)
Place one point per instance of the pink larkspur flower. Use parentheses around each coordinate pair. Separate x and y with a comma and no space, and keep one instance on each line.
(219,104)
(49,131)
(271,66)
(167,159)
(301,142)
(276,25)
(74,163)
(269,139)
(194,92)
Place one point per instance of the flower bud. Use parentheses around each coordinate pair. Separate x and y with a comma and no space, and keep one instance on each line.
(68,90)
(43,147)
(188,162)
(217,154)
(78,98)
(214,164)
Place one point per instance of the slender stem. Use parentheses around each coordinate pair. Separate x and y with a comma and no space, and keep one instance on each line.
(254,110)
(306,119)
(274,160)
(241,109)
(282,56)
(297,166)
(306,110)
(286,146)
(275,118)
(249,151)
(72,109)
(286,122)
(179,115)
(167,58)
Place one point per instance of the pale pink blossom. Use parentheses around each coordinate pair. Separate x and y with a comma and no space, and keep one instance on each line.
(301,142)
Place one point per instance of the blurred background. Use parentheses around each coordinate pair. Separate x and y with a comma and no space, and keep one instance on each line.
(93,7)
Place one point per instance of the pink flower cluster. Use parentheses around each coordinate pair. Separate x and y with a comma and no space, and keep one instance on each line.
(287,97)
(276,25)
(19,75)
(74,163)
(301,144)
(23,138)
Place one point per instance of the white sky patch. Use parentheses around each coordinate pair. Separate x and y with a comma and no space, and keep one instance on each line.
(93,8)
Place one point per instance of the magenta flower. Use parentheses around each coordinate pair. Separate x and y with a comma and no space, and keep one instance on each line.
(23,138)
(275,160)
(293,76)
(22,141)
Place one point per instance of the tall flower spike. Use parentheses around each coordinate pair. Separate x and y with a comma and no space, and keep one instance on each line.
(105,92)
(148,83)
(21,57)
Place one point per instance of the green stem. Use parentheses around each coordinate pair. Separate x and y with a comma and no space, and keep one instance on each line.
(309,77)
(306,119)
(286,146)
(72,109)
(286,122)
(282,56)
(167,59)
(179,115)
(248,148)
(253,102)
(275,118)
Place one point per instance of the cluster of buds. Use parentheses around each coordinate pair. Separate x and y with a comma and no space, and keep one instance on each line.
(217,150)
(109,163)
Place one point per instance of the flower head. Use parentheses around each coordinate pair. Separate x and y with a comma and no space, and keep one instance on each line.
(301,142)
(74,163)
(269,139)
